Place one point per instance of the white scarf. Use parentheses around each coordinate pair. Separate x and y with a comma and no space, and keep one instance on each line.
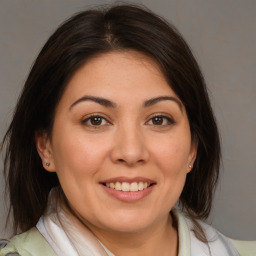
(67,236)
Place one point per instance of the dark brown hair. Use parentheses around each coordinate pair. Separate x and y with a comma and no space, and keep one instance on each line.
(83,36)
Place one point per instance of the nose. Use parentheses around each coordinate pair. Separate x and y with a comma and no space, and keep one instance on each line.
(129,147)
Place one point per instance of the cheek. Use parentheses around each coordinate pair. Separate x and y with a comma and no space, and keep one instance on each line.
(77,155)
(78,160)
(172,156)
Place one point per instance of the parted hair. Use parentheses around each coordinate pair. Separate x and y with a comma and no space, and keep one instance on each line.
(83,36)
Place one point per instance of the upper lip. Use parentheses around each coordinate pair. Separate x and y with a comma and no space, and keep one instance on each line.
(128,179)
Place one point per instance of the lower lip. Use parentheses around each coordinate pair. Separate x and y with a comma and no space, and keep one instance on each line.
(129,197)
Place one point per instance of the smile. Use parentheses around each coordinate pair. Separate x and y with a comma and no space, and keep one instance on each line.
(128,187)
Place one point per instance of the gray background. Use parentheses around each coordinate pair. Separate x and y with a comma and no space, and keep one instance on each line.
(222,35)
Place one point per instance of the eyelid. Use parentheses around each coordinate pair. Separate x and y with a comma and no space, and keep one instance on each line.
(87,118)
(163,115)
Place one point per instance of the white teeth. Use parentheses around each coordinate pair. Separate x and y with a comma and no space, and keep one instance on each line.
(141,186)
(125,186)
(118,186)
(134,186)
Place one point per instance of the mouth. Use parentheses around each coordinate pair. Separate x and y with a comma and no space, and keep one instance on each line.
(129,190)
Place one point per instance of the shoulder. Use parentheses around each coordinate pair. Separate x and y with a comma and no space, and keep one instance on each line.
(218,244)
(242,248)
(30,243)
(245,248)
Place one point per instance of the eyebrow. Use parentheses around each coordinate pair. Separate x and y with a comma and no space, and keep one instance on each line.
(107,103)
(99,100)
(153,101)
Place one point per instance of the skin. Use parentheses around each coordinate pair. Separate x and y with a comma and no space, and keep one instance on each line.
(127,141)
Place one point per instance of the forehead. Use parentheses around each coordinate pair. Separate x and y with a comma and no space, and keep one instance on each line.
(118,76)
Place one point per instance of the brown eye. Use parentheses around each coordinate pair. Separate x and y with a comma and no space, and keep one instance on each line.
(158,120)
(96,120)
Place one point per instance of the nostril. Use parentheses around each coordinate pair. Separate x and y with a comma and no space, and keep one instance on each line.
(131,162)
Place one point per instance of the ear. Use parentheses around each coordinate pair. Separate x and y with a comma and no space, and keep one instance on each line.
(192,155)
(44,149)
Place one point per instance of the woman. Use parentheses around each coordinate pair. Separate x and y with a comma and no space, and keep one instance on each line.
(113,128)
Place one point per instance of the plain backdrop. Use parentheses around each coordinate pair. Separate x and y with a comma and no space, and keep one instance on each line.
(222,35)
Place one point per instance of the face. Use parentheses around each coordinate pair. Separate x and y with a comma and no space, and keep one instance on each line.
(121,143)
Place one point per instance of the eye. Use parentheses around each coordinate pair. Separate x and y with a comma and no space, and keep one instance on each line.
(160,120)
(95,120)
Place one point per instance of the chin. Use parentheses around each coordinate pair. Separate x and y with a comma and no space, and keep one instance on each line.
(129,222)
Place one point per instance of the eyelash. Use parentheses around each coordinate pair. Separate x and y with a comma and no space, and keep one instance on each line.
(162,117)
(168,119)
(89,119)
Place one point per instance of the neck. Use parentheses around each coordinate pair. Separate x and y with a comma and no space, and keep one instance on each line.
(159,239)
